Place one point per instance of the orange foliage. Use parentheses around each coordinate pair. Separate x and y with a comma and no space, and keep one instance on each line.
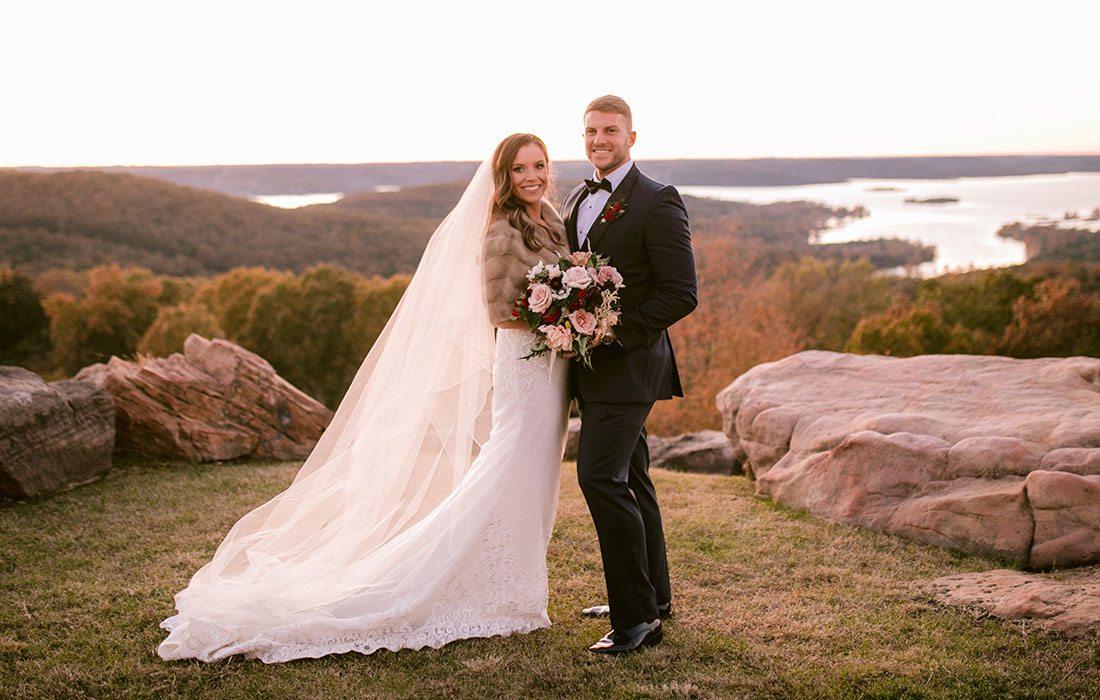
(735,327)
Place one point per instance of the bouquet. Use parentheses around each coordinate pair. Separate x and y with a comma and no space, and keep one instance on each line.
(572,305)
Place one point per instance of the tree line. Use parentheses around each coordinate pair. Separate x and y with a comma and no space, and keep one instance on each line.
(315,327)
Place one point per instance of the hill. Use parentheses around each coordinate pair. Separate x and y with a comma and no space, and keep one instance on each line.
(251,180)
(79,219)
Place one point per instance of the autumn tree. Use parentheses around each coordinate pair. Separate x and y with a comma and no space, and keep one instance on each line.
(1060,321)
(980,301)
(24,327)
(110,319)
(908,329)
(172,326)
(230,296)
(735,327)
(824,301)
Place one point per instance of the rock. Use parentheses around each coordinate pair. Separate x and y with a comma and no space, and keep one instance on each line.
(216,401)
(572,437)
(704,452)
(1067,518)
(977,453)
(52,436)
(1069,604)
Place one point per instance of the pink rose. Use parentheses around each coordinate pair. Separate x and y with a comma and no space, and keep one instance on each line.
(540,298)
(553,271)
(583,322)
(576,277)
(610,274)
(558,338)
(580,258)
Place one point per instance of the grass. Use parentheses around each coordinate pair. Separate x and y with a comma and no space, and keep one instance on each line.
(770,604)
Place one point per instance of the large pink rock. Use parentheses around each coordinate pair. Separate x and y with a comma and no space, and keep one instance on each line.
(1069,604)
(216,401)
(984,454)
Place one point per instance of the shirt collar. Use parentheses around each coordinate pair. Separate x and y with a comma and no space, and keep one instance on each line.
(616,176)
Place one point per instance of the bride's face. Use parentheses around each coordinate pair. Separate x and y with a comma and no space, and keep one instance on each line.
(530,173)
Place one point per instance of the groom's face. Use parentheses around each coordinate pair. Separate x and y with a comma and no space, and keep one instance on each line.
(607,140)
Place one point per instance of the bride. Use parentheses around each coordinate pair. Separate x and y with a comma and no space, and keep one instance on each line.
(424,512)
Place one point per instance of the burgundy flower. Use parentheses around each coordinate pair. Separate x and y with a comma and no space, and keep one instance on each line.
(613,211)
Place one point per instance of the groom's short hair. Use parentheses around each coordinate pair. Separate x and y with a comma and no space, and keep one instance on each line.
(613,104)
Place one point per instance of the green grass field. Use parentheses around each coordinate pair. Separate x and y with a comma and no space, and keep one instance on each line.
(770,603)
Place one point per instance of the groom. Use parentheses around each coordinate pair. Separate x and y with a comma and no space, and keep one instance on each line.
(642,227)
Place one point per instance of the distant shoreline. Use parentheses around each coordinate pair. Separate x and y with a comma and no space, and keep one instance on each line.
(253,180)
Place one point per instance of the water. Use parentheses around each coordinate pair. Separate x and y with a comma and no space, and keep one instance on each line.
(964,233)
(293,201)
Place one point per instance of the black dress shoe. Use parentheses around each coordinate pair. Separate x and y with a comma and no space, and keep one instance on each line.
(664,611)
(643,634)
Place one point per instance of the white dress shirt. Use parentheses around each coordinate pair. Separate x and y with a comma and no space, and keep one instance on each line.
(592,205)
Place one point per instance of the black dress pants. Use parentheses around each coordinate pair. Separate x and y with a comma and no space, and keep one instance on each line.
(613,471)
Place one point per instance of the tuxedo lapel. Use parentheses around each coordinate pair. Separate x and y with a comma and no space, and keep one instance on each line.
(621,194)
(569,215)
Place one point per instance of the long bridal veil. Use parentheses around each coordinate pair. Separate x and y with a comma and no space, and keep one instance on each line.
(404,436)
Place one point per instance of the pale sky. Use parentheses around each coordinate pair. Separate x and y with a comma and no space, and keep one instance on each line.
(185,82)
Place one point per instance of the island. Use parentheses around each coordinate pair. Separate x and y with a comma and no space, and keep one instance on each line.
(932,200)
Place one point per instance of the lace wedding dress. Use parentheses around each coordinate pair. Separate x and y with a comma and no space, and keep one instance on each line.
(423,514)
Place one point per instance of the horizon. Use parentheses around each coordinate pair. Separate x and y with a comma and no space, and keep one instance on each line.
(1095,154)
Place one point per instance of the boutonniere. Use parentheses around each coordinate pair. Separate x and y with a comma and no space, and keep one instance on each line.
(613,211)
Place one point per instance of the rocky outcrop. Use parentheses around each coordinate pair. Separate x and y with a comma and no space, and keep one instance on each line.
(985,454)
(1069,604)
(704,452)
(216,401)
(52,436)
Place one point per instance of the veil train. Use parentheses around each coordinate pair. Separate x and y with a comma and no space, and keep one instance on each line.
(338,541)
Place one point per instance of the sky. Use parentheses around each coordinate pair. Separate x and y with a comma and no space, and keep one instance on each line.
(196,82)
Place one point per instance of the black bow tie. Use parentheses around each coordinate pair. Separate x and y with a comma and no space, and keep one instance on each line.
(594,186)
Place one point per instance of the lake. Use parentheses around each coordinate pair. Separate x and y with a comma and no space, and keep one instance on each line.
(294,201)
(964,232)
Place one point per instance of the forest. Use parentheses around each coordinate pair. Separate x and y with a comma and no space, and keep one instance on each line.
(80,219)
(311,290)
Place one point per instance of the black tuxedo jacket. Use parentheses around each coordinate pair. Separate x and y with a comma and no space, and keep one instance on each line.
(650,245)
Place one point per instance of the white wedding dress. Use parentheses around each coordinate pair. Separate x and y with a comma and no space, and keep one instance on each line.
(423,514)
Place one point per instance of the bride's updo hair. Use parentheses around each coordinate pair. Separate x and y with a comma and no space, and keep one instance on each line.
(505,202)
